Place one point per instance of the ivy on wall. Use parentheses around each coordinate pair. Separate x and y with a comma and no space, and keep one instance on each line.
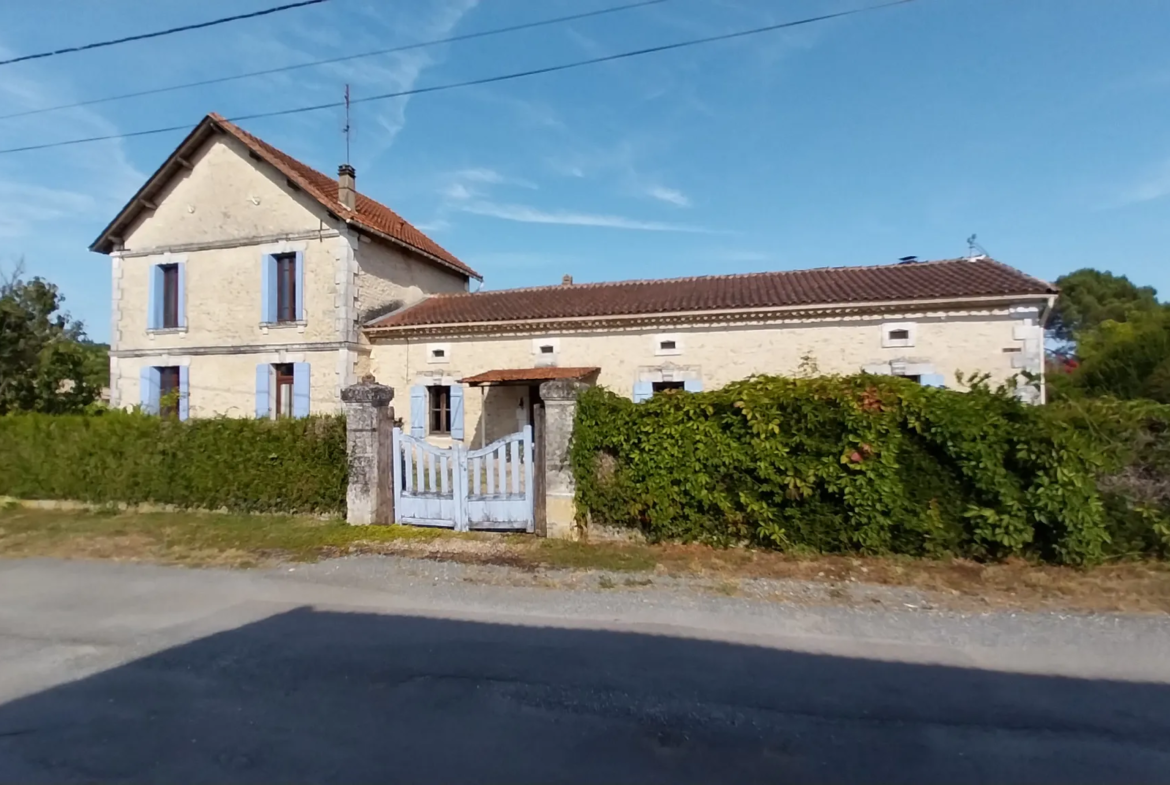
(287,465)
(860,464)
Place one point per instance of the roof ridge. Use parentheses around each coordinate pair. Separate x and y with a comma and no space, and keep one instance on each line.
(730,276)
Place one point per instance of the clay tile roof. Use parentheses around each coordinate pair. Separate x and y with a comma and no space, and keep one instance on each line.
(832,286)
(369,214)
(529,375)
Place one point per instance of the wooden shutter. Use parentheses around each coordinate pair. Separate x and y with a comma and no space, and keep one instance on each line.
(456,411)
(184,389)
(693,385)
(154,316)
(268,290)
(148,389)
(300,293)
(643,391)
(263,372)
(301,389)
(418,411)
(182,294)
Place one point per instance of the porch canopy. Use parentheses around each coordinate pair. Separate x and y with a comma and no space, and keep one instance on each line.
(527,375)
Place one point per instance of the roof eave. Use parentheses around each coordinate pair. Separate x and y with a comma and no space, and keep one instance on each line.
(105,242)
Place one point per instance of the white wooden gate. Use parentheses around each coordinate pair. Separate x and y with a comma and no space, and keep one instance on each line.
(461,489)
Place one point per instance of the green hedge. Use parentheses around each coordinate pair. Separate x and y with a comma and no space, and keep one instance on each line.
(295,466)
(851,464)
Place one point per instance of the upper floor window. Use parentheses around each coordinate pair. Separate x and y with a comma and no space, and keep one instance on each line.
(165,309)
(286,287)
(170,293)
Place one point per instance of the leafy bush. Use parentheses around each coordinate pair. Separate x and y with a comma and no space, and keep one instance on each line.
(1133,441)
(844,464)
(245,465)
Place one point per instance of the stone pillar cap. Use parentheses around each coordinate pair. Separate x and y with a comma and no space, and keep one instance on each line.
(562,389)
(368,392)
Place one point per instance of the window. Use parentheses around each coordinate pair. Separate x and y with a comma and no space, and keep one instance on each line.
(284,389)
(667,346)
(667,387)
(170,294)
(546,349)
(440,409)
(286,287)
(896,335)
(169,389)
(439,354)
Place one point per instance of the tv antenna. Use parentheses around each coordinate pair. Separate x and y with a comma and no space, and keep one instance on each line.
(347,128)
(974,249)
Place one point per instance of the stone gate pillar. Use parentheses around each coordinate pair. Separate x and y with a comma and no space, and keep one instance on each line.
(369,429)
(560,409)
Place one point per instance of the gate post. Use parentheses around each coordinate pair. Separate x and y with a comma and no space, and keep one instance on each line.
(369,432)
(560,489)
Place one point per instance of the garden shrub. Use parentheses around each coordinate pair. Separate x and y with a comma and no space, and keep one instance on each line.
(289,465)
(860,464)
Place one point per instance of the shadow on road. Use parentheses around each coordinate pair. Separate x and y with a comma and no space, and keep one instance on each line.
(332,697)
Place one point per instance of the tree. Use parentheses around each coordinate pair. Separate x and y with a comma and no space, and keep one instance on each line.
(1129,359)
(1089,298)
(43,364)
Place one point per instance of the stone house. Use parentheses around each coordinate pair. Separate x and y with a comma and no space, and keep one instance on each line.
(241,278)
(253,285)
(473,362)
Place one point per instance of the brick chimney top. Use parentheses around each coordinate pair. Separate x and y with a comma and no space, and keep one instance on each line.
(567,280)
(347,186)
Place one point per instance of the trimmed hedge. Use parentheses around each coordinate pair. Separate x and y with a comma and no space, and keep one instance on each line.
(293,466)
(851,464)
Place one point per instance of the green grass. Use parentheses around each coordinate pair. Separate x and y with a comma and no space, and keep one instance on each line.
(187,537)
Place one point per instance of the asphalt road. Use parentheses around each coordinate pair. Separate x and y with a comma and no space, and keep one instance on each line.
(394,671)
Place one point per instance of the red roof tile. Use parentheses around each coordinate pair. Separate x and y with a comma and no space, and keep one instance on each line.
(369,214)
(529,375)
(831,286)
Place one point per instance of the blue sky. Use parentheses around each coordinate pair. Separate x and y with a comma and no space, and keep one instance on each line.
(1041,125)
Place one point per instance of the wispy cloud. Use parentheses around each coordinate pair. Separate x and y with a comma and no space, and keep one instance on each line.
(1155,184)
(668,195)
(525,214)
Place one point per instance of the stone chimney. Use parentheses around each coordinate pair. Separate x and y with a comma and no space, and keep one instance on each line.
(567,280)
(346,186)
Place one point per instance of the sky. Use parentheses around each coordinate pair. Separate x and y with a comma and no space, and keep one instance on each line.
(1042,126)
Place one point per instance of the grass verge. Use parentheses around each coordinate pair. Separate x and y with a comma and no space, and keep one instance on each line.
(224,540)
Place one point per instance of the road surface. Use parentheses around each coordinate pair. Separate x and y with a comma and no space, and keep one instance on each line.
(391,670)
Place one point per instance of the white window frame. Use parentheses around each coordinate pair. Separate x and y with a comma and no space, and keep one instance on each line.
(432,348)
(660,351)
(899,343)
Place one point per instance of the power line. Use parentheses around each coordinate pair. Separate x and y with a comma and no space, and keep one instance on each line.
(160,33)
(315,63)
(481,81)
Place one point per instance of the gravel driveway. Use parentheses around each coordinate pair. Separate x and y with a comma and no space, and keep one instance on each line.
(406,670)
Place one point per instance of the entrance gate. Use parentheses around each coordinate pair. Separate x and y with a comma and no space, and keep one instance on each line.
(461,489)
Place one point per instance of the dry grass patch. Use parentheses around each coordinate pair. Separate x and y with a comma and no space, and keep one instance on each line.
(208,539)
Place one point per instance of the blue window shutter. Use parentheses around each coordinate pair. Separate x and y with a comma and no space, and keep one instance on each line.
(418,411)
(693,385)
(933,380)
(182,267)
(154,315)
(643,391)
(300,305)
(263,370)
(149,382)
(300,389)
(184,388)
(267,289)
(457,411)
